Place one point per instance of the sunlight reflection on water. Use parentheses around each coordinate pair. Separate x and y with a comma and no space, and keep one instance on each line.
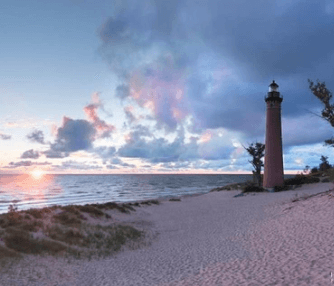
(27,187)
(40,190)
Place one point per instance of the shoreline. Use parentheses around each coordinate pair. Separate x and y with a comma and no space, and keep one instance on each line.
(203,234)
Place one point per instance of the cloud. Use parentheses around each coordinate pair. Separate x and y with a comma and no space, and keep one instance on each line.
(19,164)
(77,134)
(52,154)
(71,164)
(104,151)
(201,61)
(118,161)
(103,130)
(122,91)
(128,110)
(30,154)
(112,167)
(140,143)
(36,136)
(5,137)
(74,135)
(12,165)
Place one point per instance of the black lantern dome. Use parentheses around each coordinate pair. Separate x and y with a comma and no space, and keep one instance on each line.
(273,94)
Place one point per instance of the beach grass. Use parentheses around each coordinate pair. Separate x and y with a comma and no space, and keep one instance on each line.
(65,231)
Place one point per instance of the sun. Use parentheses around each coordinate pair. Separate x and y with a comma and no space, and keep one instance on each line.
(37,174)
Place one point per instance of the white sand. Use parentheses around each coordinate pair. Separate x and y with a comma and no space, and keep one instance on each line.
(211,239)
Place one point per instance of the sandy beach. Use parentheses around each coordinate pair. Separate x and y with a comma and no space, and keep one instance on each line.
(210,239)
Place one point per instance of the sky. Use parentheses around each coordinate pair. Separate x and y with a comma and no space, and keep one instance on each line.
(148,86)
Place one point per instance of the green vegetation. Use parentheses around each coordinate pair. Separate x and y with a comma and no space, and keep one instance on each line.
(252,187)
(124,208)
(22,241)
(64,230)
(301,179)
(236,186)
(156,202)
(174,200)
(257,152)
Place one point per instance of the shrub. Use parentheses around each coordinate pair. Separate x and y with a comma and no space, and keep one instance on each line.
(314,170)
(301,179)
(252,188)
(331,174)
(326,180)
(12,208)
(282,188)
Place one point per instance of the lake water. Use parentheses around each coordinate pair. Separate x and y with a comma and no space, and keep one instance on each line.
(26,191)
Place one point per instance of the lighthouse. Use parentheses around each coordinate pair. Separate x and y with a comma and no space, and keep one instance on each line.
(273,157)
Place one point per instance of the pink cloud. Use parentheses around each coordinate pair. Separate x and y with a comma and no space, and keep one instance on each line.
(160,87)
(103,129)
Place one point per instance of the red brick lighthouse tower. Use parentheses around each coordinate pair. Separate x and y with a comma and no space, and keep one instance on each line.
(273,157)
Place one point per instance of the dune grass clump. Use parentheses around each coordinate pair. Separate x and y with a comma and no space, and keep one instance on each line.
(23,241)
(20,222)
(235,186)
(32,226)
(69,235)
(136,204)
(8,253)
(71,209)
(117,236)
(67,219)
(128,206)
(91,210)
(38,213)
(149,202)
(111,205)
(174,200)
(105,240)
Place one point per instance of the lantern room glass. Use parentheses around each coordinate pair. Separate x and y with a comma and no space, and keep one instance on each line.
(273,87)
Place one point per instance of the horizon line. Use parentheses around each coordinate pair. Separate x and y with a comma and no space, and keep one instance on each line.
(248,173)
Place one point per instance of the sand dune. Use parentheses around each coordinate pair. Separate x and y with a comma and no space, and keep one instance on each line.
(211,239)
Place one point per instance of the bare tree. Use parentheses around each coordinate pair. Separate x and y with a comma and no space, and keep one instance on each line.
(324,95)
(257,152)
